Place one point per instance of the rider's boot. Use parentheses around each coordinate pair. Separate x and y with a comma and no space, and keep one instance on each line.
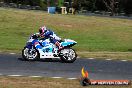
(59,46)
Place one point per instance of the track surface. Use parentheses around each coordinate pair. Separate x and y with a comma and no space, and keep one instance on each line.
(98,69)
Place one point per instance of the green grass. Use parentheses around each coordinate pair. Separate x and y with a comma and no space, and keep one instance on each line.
(94,34)
(25,82)
(107,55)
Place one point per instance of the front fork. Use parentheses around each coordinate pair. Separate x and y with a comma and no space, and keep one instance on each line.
(32,50)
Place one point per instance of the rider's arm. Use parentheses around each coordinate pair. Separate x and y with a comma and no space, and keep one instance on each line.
(35,36)
(48,34)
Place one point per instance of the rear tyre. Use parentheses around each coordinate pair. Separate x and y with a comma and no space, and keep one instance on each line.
(30,54)
(68,55)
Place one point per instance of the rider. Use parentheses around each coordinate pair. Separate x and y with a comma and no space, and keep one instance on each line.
(45,33)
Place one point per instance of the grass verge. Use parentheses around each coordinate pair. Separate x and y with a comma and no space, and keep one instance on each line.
(93,34)
(107,55)
(24,82)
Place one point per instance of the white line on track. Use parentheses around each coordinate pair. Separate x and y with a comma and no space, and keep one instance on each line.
(12,53)
(56,77)
(108,59)
(71,78)
(1,74)
(35,76)
(91,58)
(14,75)
(124,60)
(78,57)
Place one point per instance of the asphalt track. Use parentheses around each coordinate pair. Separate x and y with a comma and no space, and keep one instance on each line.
(98,69)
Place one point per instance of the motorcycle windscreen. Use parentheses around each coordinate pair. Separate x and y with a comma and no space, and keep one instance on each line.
(70,44)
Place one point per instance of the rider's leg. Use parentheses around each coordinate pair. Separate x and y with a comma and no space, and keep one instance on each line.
(37,45)
(56,37)
(53,40)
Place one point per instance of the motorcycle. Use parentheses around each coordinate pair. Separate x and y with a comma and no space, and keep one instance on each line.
(49,50)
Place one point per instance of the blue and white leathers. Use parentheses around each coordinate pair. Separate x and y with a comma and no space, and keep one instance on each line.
(44,48)
(50,34)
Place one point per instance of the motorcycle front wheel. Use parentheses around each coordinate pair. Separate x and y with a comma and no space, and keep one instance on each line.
(30,54)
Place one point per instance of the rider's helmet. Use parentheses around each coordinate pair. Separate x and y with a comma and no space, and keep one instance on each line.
(42,30)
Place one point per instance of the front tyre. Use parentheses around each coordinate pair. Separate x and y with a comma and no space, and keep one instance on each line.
(68,55)
(30,54)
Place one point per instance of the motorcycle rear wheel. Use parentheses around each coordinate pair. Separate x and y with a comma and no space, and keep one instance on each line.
(68,55)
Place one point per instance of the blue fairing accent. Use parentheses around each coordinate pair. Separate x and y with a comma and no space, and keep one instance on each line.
(68,44)
(33,42)
(48,33)
(38,46)
(29,45)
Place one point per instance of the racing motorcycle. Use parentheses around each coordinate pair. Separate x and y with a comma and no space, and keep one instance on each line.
(49,50)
